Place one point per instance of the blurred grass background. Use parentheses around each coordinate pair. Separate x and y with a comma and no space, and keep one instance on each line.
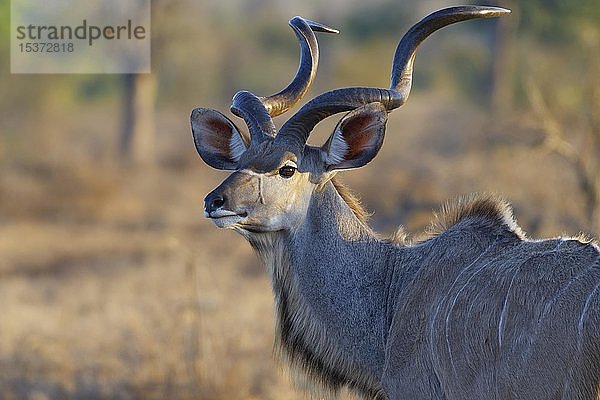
(114,286)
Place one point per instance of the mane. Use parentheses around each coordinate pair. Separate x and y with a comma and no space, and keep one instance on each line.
(483,206)
(583,238)
(351,200)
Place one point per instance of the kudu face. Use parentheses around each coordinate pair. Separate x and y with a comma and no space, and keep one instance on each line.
(274,179)
(276,173)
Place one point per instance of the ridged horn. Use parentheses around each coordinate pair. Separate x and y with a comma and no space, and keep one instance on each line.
(258,111)
(298,127)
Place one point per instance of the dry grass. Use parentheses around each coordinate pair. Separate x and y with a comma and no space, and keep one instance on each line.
(114,287)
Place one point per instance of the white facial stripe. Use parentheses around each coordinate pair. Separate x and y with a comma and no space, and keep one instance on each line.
(250,172)
(289,163)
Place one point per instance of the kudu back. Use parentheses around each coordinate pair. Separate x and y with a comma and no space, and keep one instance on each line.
(476,311)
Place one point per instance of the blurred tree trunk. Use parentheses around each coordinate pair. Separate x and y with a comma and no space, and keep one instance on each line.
(504,65)
(136,144)
(137,138)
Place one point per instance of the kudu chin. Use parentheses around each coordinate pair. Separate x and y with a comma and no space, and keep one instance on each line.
(476,311)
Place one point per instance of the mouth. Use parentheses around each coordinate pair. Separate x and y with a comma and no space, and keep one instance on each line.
(225,218)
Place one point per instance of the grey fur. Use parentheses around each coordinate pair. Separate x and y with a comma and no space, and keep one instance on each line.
(474,310)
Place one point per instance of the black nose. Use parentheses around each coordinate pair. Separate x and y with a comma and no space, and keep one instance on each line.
(213,202)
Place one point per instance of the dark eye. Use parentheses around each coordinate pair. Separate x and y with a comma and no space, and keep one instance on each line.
(287,171)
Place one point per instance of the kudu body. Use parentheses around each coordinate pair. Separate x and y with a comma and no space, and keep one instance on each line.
(476,311)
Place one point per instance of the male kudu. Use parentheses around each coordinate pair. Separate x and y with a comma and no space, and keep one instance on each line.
(477,311)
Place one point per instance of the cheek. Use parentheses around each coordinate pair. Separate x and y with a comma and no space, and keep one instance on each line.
(287,197)
(298,197)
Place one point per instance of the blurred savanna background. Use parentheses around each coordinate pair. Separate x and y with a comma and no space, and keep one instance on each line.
(114,286)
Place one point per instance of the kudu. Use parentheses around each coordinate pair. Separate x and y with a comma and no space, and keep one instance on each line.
(476,311)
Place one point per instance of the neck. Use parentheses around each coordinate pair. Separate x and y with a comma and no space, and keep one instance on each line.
(329,280)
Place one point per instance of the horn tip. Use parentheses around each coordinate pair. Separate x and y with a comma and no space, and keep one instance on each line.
(493,11)
(315,26)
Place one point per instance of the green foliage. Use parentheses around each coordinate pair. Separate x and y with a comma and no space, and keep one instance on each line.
(377,21)
(468,70)
(205,51)
(4,18)
(558,21)
(456,60)
(97,87)
(4,31)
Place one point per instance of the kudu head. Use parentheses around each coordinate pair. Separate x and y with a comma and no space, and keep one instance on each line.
(276,172)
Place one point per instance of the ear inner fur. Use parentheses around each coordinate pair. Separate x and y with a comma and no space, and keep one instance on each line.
(357,138)
(217,139)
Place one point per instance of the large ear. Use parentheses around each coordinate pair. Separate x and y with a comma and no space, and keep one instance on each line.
(357,137)
(217,139)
